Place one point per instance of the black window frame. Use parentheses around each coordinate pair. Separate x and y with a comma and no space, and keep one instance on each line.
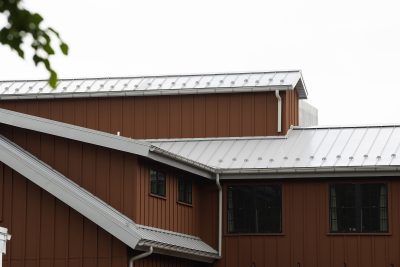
(363,217)
(252,219)
(158,181)
(185,190)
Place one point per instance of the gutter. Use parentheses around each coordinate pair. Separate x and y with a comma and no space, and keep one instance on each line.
(140,256)
(278,97)
(219,214)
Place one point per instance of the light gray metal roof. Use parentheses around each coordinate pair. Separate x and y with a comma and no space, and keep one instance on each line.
(162,240)
(99,138)
(101,213)
(303,149)
(156,85)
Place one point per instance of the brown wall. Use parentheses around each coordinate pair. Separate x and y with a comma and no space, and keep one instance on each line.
(290,110)
(198,219)
(244,114)
(46,232)
(35,217)
(306,239)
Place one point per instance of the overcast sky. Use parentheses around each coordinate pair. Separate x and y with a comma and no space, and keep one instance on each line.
(349,51)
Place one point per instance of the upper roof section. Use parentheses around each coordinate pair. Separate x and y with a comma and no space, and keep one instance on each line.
(157,85)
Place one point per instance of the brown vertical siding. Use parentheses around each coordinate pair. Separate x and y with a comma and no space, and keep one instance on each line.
(290,108)
(198,219)
(214,115)
(306,240)
(46,232)
(161,261)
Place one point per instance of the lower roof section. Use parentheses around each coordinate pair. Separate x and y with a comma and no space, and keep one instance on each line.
(101,213)
(302,150)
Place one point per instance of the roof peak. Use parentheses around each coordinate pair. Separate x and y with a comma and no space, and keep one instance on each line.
(155,76)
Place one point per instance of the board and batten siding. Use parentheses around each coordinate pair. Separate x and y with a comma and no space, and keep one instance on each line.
(46,232)
(177,116)
(306,241)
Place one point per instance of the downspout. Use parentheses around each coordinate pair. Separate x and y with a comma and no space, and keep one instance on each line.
(279,110)
(140,256)
(219,215)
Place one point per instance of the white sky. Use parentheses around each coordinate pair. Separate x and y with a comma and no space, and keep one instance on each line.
(349,51)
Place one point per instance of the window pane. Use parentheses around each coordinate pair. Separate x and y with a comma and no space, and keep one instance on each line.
(185,190)
(343,211)
(374,208)
(153,181)
(358,208)
(254,209)
(161,184)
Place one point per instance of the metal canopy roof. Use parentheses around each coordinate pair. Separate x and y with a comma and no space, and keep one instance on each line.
(98,211)
(317,149)
(156,85)
(99,138)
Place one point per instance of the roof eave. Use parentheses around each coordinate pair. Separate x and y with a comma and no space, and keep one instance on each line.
(310,172)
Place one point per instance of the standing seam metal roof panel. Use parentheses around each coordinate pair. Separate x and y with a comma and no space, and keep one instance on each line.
(302,148)
(157,85)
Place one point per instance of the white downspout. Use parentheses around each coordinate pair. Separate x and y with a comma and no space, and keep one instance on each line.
(219,215)
(140,256)
(279,110)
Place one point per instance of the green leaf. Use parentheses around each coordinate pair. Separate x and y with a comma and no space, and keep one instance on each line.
(64,48)
(53,79)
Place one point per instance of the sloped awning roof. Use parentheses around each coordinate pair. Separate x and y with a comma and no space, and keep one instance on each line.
(157,85)
(314,149)
(98,138)
(101,213)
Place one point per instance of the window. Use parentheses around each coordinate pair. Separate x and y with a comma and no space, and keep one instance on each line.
(157,182)
(358,208)
(254,209)
(184,190)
